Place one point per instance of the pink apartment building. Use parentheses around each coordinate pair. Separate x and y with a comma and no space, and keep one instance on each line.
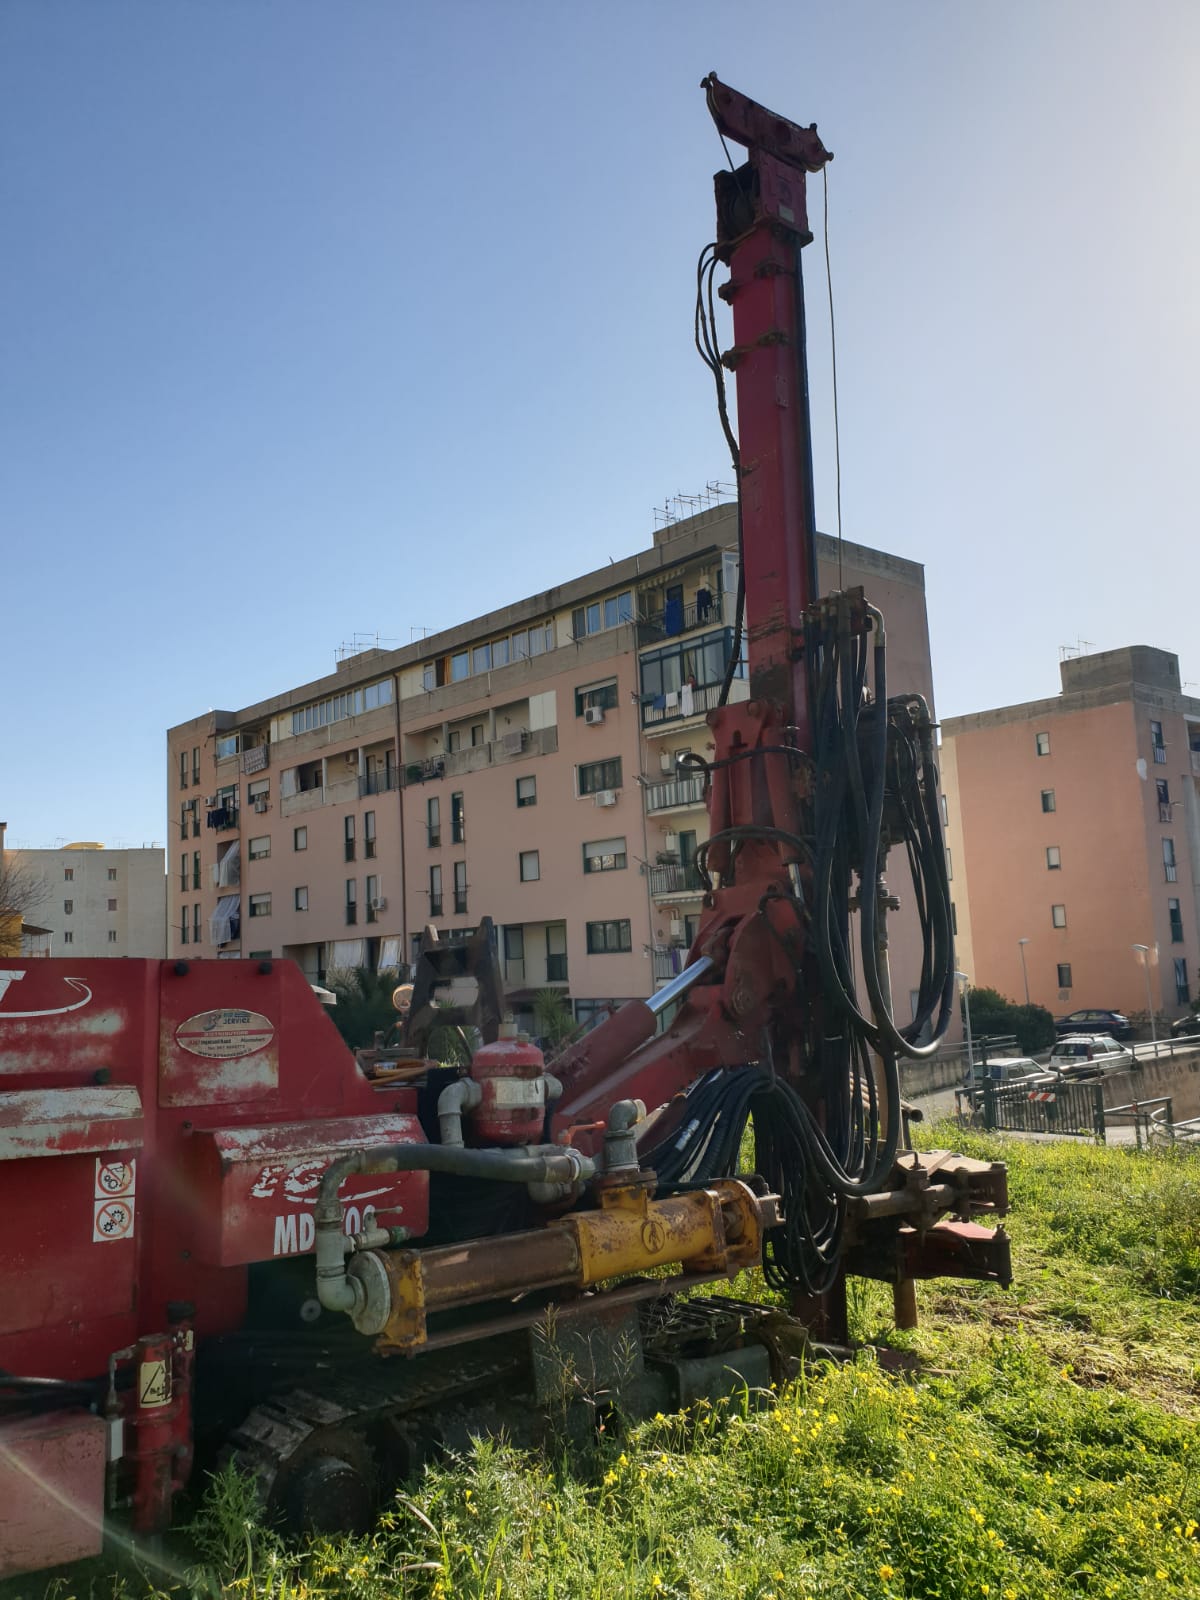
(521,766)
(1074,837)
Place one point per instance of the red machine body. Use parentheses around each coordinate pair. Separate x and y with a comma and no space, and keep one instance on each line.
(163,1126)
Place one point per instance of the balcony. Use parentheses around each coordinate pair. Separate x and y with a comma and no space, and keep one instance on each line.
(378,783)
(675,792)
(676,879)
(492,753)
(672,621)
(221,818)
(683,703)
(556,969)
(667,961)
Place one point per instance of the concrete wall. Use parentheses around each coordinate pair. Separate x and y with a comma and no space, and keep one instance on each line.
(99,902)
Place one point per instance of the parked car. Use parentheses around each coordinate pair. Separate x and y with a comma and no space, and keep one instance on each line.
(1089,1055)
(1186,1027)
(1113,1023)
(1004,1069)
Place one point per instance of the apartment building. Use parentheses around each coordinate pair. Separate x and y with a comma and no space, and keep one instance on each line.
(85,900)
(1074,837)
(521,766)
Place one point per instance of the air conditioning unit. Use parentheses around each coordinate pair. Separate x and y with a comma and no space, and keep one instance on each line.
(605,797)
(593,714)
(380,904)
(260,803)
(676,930)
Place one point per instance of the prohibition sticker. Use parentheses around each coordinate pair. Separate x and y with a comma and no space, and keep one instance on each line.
(112,1220)
(115,1179)
(225,1034)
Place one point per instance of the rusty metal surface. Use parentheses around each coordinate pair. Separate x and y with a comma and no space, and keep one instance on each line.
(49,1122)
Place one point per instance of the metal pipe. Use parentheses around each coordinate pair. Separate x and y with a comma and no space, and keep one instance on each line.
(337,1292)
(462,1095)
(680,984)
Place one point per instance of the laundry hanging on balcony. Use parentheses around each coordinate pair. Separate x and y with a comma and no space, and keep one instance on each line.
(225,924)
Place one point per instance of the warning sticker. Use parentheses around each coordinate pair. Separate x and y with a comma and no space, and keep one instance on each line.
(154,1385)
(225,1034)
(112,1220)
(115,1179)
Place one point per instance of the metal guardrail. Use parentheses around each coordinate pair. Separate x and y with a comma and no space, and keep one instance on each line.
(1053,1106)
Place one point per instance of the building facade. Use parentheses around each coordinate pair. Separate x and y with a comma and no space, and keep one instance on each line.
(522,766)
(85,900)
(1074,837)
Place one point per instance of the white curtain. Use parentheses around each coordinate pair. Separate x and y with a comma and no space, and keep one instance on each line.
(225,922)
(389,955)
(346,954)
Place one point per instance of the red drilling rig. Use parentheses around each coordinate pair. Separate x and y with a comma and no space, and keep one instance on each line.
(181,1142)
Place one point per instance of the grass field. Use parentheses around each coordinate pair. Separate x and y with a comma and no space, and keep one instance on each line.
(1042,1443)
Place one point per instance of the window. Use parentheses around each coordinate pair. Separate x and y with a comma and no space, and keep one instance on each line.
(196,870)
(435,891)
(429,676)
(526,791)
(112,905)
(112,936)
(601,695)
(69,874)
(259,849)
(477,734)
(369,834)
(949,865)
(299,838)
(348,831)
(433,821)
(530,865)
(608,938)
(499,652)
(300,897)
(945,809)
(481,658)
(372,888)
(350,703)
(698,664)
(1048,800)
(1053,860)
(1176,916)
(183,781)
(183,820)
(183,872)
(1064,974)
(454,743)
(1163,789)
(196,763)
(185,931)
(196,924)
(597,775)
(460,888)
(227,746)
(556,952)
(1182,995)
(602,614)
(514,954)
(351,900)
(458,820)
(112,874)
(1042,741)
(460,666)
(1168,854)
(260,789)
(1058,916)
(604,855)
(260,905)
(1156,740)
(69,938)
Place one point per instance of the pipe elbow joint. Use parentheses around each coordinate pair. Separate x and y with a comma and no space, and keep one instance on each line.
(464,1094)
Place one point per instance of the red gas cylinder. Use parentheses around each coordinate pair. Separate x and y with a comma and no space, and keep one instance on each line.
(512,1106)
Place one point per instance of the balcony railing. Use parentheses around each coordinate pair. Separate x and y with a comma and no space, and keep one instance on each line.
(460,905)
(673,621)
(556,969)
(514,972)
(675,792)
(680,704)
(667,961)
(515,746)
(378,783)
(675,879)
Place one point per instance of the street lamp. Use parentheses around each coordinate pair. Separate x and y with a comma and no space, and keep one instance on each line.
(1143,950)
(964,984)
(1021,943)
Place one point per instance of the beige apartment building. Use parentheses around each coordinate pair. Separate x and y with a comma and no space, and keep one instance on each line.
(521,766)
(1074,837)
(86,900)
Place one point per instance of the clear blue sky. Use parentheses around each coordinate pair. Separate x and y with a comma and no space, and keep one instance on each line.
(321,318)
